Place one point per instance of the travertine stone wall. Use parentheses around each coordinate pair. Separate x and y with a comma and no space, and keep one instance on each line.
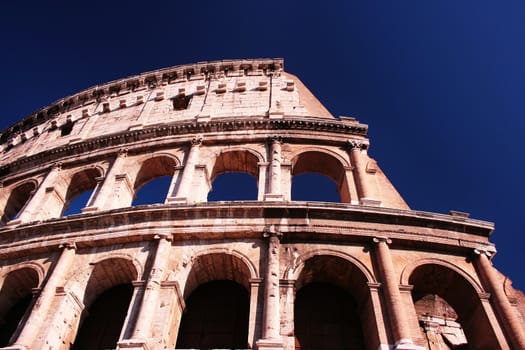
(192,123)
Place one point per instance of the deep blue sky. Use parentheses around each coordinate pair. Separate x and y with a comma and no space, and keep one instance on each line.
(440,83)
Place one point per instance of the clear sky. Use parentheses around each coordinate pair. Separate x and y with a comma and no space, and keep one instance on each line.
(440,83)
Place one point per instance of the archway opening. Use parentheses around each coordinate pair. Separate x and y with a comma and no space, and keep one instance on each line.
(80,191)
(153,180)
(101,329)
(332,306)
(17,200)
(15,300)
(216,317)
(326,319)
(314,187)
(234,177)
(106,299)
(233,187)
(441,295)
(153,192)
(320,168)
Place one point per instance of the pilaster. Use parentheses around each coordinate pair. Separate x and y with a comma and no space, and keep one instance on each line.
(272,339)
(396,313)
(41,308)
(509,321)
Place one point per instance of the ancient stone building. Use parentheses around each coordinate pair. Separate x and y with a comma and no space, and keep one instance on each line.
(270,272)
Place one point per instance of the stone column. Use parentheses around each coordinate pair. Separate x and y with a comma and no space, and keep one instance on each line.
(272,339)
(40,310)
(397,315)
(111,195)
(262,181)
(174,184)
(38,207)
(184,190)
(359,166)
(510,323)
(150,300)
(275,169)
(254,322)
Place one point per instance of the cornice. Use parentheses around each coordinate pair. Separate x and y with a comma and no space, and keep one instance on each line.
(305,221)
(191,127)
(147,80)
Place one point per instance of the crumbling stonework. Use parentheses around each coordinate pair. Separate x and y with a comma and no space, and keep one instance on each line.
(272,273)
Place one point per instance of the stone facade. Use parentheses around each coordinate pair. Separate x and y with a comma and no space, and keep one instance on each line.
(271,273)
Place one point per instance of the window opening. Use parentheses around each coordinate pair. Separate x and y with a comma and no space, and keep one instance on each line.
(76,204)
(233,186)
(181,102)
(314,187)
(66,128)
(153,192)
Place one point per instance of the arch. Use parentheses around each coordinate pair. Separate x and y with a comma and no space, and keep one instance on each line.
(241,160)
(154,166)
(321,280)
(442,291)
(18,198)
(326,163)
(108,273)
(139,268)
(107,296)
(344,161)
(219,264)
(295,268)
(409,268)
(234,252)
(80,182)
(39,270)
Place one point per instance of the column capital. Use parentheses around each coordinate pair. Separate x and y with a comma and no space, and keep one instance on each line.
(275,139)
(68,245)
(356,145)
(382,239)
(486,251)
(197,140)
(159,237)
(271,231)
(57,166)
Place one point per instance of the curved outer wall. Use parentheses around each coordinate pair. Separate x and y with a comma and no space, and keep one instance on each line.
(193,123)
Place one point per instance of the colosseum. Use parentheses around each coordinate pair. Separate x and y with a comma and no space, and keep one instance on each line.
(268,272)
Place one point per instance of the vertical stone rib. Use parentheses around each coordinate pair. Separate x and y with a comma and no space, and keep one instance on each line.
(359,169)
(150,299)
(41,308)
(398,321)
(508,318)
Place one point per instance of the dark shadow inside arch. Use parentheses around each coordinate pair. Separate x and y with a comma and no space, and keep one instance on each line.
(17,200)
(314,187)
(326,318)
(101,328)
(233,186)
(216,317)
(442,293)
(153,192)
(15,301)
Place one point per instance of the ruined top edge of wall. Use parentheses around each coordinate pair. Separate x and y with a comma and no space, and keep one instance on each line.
(146,80)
